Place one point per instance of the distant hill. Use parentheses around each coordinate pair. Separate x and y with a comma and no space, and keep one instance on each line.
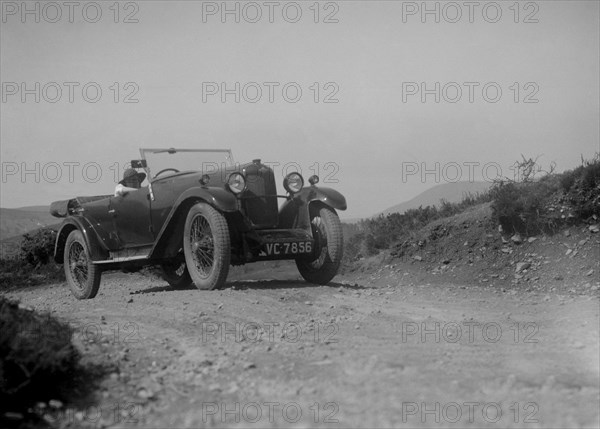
(14,222)
(43,209)
(451,192)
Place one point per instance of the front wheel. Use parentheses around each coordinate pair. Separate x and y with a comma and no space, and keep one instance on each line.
(206,246)
(329,247)
(82,275)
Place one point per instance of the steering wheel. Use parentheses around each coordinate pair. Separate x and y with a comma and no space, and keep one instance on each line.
(165,170)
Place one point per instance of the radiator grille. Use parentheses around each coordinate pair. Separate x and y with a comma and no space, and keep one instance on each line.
(260,197)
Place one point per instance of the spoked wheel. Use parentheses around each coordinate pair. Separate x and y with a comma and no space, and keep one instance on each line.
(175,273)
(82,275)
(206,246)
(329,247)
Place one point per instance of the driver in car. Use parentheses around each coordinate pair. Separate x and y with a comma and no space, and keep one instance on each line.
(132,181)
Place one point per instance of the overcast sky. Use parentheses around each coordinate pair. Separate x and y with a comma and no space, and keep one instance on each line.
(362,118)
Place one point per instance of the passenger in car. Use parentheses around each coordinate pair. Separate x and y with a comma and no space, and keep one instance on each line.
(132,181)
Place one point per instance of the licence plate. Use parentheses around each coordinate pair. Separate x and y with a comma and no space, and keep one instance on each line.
(293,248)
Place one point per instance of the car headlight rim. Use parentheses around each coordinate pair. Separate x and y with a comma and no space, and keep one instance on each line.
(293,182)
(236,183)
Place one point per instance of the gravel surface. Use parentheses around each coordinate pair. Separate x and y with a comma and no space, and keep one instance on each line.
(385,350)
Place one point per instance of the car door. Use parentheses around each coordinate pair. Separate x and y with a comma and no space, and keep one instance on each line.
(131,214)
(97,211)
(164,198)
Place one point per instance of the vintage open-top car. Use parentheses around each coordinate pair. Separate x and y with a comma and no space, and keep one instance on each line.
(198,214)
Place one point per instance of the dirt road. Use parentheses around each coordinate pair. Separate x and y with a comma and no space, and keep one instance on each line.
(375,351)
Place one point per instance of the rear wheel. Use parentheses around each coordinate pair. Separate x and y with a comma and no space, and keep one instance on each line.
(206,246)
(329,247)
(82,275)
(175,273)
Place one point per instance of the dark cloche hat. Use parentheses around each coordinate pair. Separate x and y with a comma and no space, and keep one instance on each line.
(129,173)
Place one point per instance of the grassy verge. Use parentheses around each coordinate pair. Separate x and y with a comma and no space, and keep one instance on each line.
(529,206)
(371,236)
(37,358)
(31,263)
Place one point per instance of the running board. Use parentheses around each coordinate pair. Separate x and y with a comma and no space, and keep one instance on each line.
(126,255)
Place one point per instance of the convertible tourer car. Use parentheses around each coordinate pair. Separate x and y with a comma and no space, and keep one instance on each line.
(198,214)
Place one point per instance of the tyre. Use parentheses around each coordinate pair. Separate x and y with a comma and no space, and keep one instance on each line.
(82,275)
(329,247)
(175,273)
(206,246)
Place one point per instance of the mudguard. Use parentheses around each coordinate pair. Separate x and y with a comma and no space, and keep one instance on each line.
(96,248)
(329,196)
(295,212)
(220,199)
